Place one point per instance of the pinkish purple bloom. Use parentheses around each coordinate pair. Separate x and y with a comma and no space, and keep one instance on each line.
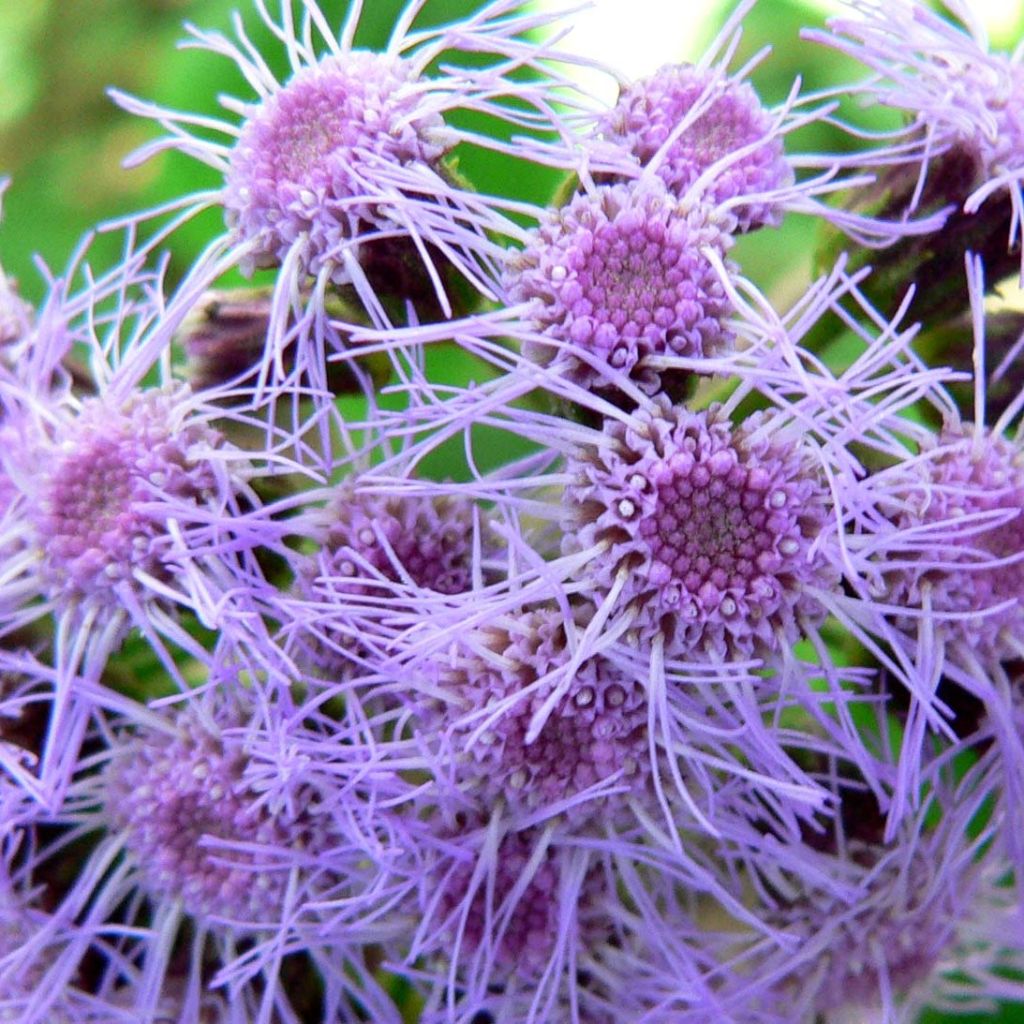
(684,120)
(346,158)
(957,92)
(926,917)
(705,533)
(170,795)
(620,274)
(427,543)
(300,170)
(962,511)
(594,739)
(90,513)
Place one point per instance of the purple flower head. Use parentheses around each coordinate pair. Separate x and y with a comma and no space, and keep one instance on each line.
(344,160)
(620,274)
(512,915)
(381,556)
(119,494)
(596,734)
(704,530)
(963,513)
(529,917)
(210,834)
(301,166)
(169,795)
(943,75)
(419,540)
(127,509)
(924,917)
(685,119)
(91,515)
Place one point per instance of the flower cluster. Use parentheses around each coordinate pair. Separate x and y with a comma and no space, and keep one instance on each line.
(518,610)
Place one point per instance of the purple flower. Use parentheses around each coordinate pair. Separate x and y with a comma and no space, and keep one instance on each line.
(192,849)
(705,532)
(299,172)
(427,543)
(347,158)
(508,909)
(90,517)
(962,513)
(926,917)
(683,121)
(171,796)
(942,74)
(593,743)
(127,509)
(620,274)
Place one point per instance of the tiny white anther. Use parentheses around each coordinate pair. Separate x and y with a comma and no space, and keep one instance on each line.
(584,698)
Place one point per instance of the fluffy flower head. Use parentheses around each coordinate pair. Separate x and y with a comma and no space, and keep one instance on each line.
(968,504)
(171,795)
(688,119)
(620,274)
(707,528)
(301,166)
(598,729)
(943,74)
(91,522)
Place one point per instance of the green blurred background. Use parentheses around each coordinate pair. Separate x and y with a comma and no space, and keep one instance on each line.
(62,140)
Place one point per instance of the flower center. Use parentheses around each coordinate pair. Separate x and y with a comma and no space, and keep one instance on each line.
(720,532)
(622,274)
(597,730)
(732,119)
(172,796)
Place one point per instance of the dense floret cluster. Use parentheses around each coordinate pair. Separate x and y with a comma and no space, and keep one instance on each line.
(541,610)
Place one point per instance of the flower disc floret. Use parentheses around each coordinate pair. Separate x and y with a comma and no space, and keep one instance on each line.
(91,519)
(620,274)
(972,571)
(709,529)
(720,117)
(303,168)
(597,730)
(172,794)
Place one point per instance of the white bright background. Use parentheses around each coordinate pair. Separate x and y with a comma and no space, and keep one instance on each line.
(637,36)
